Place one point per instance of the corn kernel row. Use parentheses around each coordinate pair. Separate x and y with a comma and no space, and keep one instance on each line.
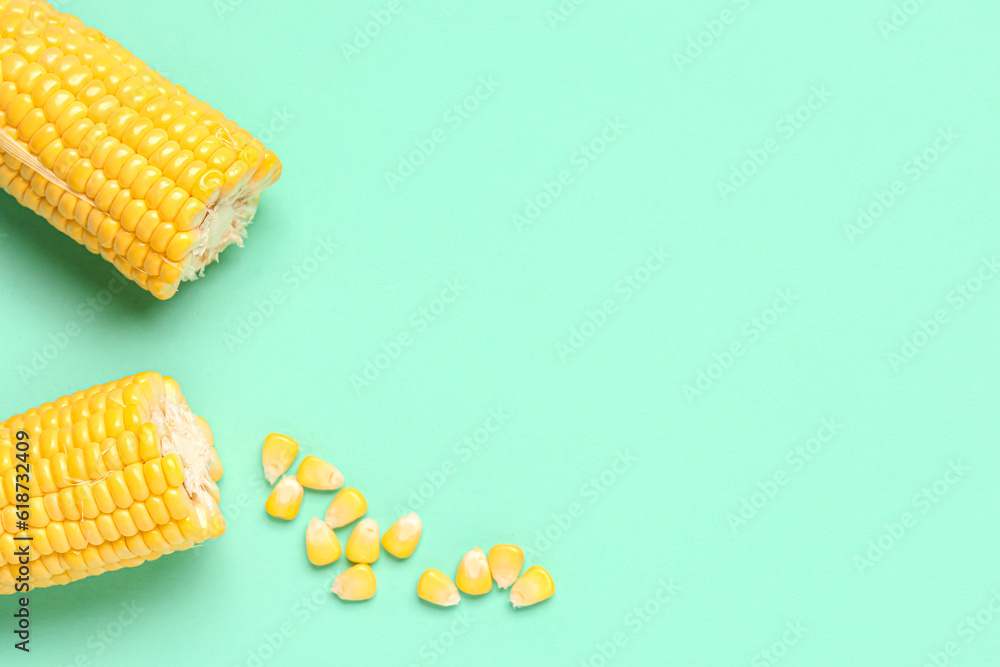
(476,573)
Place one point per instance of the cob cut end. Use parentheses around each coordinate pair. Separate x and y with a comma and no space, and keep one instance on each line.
(225,224)
(181,434)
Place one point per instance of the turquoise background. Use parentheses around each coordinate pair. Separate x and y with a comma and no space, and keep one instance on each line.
(721,534)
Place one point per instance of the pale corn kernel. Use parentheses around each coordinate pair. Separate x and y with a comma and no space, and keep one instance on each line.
(473,576)
(285,499)
(506,561)
(322,545)
(532,587)
(347,506)
(355,583)
(403,536)
(435,587)
(363,545)
(215,467)
(278,454)
(315,473)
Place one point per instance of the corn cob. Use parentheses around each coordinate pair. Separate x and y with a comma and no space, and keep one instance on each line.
(116,156)
(120,474)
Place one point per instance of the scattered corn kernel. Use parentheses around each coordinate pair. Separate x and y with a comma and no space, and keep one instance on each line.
(355,583)
(402,537)
(506,561)
(285,499)
(362,546)
(532,587)
(435,587)
(279,452)
(322,545)
(473,575)
(315,473)
(347,506)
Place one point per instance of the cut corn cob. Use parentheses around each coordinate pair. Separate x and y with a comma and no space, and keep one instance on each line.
(345,507)
(285,499)
(473,575)
(120,474)
(506,561)
(532,587)
(322,545)
(355,583)
(315,473)
(278,454)
(435,587)
(402,537)
(116,156)
(362,545)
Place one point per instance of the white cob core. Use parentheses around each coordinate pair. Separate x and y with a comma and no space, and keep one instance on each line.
(180,434)
(225,223)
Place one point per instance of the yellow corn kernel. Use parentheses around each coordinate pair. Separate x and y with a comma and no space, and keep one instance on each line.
(279,453)
(532,587)
(473,576)
(315,473)
(173,469)
(347,506)
(362,546)
(403,536)
(435,587)
(355,583)
(285,499)
(506,561)
(322,545)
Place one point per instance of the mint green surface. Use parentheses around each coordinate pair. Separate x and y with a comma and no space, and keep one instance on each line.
(739,422)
